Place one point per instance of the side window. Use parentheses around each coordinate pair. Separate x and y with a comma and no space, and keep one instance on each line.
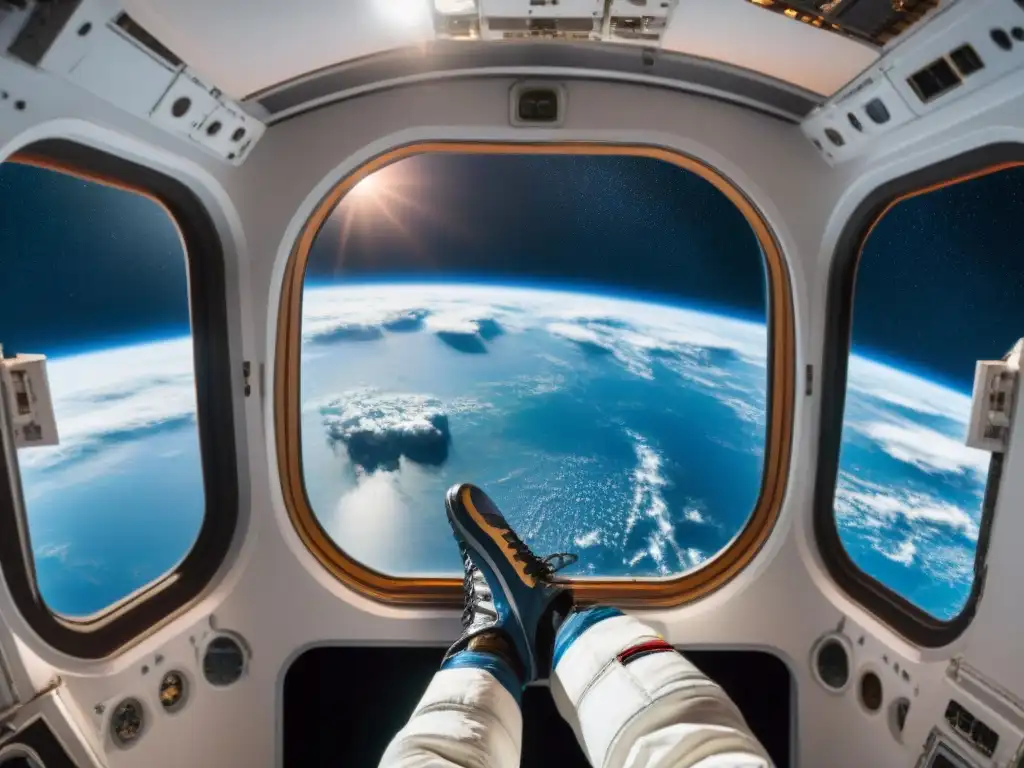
(938,287)
(95,278)
(582,336)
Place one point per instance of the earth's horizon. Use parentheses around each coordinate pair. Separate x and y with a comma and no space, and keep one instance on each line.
(626,430)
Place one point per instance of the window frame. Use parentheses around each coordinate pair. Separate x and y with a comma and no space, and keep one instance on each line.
(913,623)
(626,591)
(152,606)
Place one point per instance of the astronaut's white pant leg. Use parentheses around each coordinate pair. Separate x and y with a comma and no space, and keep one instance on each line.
(632,701)
(468,718)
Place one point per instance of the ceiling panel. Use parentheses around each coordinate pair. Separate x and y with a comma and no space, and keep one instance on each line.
(737,32)
(242,47)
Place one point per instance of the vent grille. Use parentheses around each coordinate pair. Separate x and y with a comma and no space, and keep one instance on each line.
(132,29)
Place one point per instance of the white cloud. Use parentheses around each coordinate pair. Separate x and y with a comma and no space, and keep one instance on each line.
(579,333)
(693,515)
(870,505)
(454,323)
(649,503)
(588,539)
(912,528)
(379,429)
(114,396)
(54,551)
(924,448)
(630,329)
(904,553)
(906,390)
(367,411)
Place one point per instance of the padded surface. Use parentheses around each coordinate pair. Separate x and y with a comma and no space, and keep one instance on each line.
(343,705)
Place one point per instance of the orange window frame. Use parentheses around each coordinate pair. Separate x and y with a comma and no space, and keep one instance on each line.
(438,591)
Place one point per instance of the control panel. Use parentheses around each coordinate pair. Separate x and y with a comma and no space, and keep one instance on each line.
(976,723)
(641,22)
(962,50)
(117,60)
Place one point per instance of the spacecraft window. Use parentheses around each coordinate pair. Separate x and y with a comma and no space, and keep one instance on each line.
(582,334)
(96,277)
(98,281)
(936,286)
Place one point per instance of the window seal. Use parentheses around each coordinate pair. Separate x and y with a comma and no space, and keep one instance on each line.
(913,623)
(152,606)
(436,591)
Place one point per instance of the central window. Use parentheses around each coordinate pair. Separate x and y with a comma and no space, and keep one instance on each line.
(584,336)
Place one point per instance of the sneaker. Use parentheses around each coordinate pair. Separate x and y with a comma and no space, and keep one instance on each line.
(508,588)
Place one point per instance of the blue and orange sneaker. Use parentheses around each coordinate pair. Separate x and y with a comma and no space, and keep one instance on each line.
(508,588)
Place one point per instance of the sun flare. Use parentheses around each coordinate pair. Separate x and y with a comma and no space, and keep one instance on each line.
(394,200)
(368,186)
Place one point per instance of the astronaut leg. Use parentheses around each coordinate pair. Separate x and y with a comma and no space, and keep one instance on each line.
(635,702)
(470,714)
(469,717)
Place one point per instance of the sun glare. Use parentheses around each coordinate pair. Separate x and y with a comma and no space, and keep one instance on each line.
(395,199)
(365,187)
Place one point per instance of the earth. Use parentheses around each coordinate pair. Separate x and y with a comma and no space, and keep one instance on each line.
(626,431)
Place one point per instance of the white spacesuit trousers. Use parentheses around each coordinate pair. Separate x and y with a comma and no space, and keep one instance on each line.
(632,701)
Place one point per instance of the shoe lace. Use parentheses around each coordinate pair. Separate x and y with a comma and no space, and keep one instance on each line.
(542,568)
(538,567)
(473,588)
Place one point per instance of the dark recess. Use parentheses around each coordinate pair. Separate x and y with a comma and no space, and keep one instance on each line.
(181,106)
(934,80)
(902,710)
(967,60)
(223,662)
(538,105)
(44,25)
(37,737)
(1000,38)
(871,691)
(971,729)
(833,664)
(877,111)
(132,28)
(347,703)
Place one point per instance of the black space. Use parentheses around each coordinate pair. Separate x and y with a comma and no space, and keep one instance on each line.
(621,224)
(342,706)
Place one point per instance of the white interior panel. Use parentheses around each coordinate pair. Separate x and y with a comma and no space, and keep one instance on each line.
(242,52)
(737,32)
